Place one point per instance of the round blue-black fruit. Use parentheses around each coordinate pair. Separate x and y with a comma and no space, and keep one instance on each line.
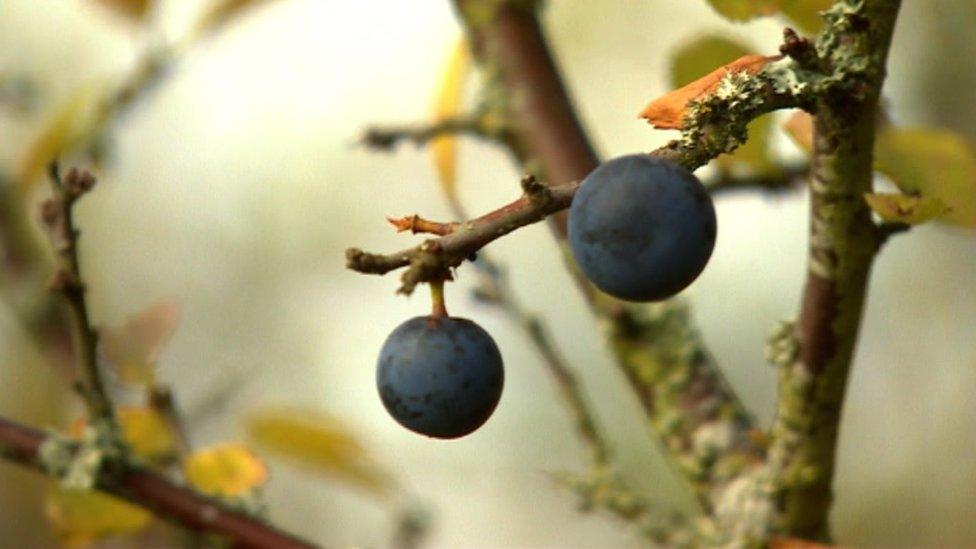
(440,376)
(641,228)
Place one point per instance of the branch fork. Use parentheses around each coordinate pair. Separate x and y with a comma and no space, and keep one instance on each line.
(434,259)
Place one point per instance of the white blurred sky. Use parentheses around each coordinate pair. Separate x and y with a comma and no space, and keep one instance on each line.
(236,187)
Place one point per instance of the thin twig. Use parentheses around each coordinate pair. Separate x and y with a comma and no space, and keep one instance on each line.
(58,217)
(495,288)
(388,137)
(433,259)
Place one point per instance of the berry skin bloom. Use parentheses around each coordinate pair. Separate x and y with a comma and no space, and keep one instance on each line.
(642,228)
(440,376)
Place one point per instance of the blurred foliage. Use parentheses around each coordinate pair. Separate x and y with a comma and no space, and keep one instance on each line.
(935,168)
(319,441)
(799,126)
(148,433)
(932,163)
(229,470)
(72,124)
(804,14)
(447,105)
(900,208)
(82,516)
(133,348)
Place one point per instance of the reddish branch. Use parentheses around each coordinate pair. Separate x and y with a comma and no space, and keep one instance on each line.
(547,132)
(416,224)
(153,491)
(433,259)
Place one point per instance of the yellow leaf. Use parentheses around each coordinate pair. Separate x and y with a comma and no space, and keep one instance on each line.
(148,433)
(133,348)
(144,429)
(319,441)
(447,104)
(226,470)
(133,9)
(931,163)
(744,10)
(701,56)
(75,122)
(82,516)
(900,208)
(668,111)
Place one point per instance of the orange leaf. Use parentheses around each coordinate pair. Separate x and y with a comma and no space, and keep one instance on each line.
(800,129)
(668,111)
(134,347)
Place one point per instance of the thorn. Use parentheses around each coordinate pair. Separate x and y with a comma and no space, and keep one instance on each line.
(406,223)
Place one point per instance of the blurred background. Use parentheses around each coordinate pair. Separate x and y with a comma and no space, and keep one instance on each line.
(235,184)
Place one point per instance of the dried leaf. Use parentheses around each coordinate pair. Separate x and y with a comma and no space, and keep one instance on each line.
(668,111)
(133,348)
(931,163)
(82,516)
(701,56)
(900,208)
(74,122)
(448,102)
(317,440)
(800,129)
(227,470)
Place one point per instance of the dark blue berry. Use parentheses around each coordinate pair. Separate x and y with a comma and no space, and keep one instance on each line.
(641,228)
(440,376)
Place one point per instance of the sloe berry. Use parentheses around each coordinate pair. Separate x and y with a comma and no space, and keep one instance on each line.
(641,228)
(440,376)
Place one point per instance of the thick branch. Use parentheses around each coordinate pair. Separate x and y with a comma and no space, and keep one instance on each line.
(148,489)
(843,241)
(548,139)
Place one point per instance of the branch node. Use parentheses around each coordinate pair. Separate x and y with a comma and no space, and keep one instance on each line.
(800,49)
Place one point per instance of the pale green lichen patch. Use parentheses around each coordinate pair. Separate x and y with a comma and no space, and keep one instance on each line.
(78,462)
(781,345)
